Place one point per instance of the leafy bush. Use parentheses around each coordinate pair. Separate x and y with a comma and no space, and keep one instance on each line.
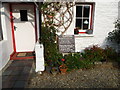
(86,63)
(110,54)
(114,36)
(93,54)
(90,55)
(73,61)
(51,52)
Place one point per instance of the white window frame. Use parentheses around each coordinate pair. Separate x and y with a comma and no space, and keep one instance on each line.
(90,19)
(84,17)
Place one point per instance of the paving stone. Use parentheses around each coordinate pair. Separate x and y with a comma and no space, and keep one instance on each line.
(4,78)
(22,78)
(7,72)
(10,68)
(20,68)
(19,84)
(16,73)
(8,84)
(12,78)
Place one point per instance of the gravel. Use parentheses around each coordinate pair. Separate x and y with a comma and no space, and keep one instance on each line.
(101,76)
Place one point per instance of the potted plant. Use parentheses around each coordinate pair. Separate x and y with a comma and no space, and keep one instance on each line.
(76,31)
(63,66)
(89,31)
(54,70)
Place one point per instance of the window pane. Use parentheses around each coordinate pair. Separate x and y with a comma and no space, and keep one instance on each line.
(86,11)
(79,11)
(1,33)
(23,15)
(78,23)
(85,23)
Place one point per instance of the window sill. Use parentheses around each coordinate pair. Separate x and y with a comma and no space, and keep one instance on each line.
(84,35)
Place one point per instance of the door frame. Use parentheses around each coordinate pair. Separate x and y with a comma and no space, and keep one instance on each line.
(12,24)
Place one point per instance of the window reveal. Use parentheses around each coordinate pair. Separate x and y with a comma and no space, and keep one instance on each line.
(23,15)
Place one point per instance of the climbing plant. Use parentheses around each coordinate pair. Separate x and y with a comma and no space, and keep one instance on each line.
(58,14)
(54,17)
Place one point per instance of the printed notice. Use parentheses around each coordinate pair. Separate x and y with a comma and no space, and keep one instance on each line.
(66,43)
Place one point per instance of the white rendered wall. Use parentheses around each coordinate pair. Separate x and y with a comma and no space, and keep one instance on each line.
(105,15)
(6,47)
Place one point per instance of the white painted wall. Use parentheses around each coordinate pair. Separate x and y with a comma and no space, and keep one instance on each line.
(105,15)
(6,47)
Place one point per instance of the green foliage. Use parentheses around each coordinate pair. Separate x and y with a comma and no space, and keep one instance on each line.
(86,63)
(90,55)
(48,34)
(114,36)
(73,61)
(94,53)
(118,59)
(76,61)
(110,53)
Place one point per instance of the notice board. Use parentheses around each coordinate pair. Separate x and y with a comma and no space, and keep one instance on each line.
(66,43)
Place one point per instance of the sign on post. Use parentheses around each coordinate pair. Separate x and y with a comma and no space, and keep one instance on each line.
(66,43)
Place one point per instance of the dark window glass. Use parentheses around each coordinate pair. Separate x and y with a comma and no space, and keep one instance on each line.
(85,23)
(23,15)
(79,11)
(1,33)
(86,11)
(78,23)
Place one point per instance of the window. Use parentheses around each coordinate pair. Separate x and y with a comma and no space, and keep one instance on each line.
(1,33)
(84,15)
(23,15)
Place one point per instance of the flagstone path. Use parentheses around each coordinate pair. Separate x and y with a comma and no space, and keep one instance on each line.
(16,73)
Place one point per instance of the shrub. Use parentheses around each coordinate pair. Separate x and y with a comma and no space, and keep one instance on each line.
(110,54)
(93,53)
(86,63)
(51,52)
(90,55)
(114,36)
(73,61)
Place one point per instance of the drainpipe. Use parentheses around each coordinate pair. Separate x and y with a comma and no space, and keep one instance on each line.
(39,49)
(38,5)
(40,20)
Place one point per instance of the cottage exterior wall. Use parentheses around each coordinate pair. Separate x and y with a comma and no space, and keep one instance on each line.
(6,47)
(105,14)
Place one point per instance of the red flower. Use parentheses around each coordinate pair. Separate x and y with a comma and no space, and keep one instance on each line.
(63,59)
(50,16)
